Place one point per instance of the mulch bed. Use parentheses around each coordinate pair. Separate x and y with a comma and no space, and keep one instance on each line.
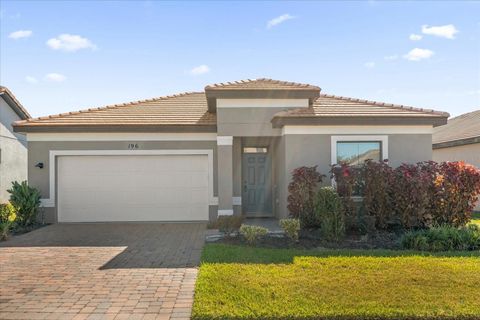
(21,230)
(312,240)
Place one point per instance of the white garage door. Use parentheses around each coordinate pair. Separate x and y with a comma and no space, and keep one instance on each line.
(132,188)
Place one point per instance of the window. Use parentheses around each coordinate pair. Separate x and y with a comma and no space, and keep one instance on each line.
(355,153)
(254,150)
(354,150)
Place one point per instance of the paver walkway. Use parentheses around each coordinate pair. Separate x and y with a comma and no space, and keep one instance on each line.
(101,271)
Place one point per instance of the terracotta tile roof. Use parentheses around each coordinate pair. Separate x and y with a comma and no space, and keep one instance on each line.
(186,109)
(21,111)
(338,106)
(260,84)
(191,110)
(465,126)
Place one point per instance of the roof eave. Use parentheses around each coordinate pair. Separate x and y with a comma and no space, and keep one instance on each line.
(279,121)
(26,128)
(15,104)
(456,143)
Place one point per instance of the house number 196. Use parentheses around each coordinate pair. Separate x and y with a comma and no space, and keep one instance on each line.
(133,146)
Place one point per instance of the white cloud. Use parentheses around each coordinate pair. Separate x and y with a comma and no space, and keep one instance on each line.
(201,69)
(415,37)
(418,54)
(370,64)
(31,79)
(279,19)
(70,43)
(392,57)
(55,77)
(20,34)
(447,31)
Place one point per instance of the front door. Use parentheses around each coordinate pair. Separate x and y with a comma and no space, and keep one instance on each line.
(257,187)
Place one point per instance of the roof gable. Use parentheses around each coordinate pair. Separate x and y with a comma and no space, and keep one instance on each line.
(14,103)
(259,89)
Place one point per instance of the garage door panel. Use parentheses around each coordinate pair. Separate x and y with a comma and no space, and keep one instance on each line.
(133,188)
(199,196)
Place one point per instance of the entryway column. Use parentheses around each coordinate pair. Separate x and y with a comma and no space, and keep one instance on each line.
(225,175)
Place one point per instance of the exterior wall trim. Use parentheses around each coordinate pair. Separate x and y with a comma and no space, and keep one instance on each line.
(237,201)
(50,202)
(262,103)
(122,136)
(224,140)
(456,143)
(425,129)
(335,139)
(227,212)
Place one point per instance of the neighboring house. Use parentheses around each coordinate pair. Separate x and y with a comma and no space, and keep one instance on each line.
(459,140)
(194,156)
(13,146)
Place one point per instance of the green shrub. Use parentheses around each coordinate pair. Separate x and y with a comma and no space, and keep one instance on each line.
(7,219)
(252,233)
(229,224)
(329,210)
(291,227)
(26,201)
(443,238)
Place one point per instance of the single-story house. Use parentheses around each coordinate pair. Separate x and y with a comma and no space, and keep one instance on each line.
(13,145)
(459,140)
(198,155)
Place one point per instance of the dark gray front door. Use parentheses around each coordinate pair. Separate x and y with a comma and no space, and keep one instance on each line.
(257,188)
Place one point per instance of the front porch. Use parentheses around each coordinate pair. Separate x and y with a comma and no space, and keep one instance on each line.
(248,168)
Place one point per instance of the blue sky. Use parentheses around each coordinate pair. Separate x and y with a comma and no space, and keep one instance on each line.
(59,56)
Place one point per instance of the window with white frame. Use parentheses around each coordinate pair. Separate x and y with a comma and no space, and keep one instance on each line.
(355,150)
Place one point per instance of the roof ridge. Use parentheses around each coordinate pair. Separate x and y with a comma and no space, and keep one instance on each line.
(385,104)
(110,106)
(243,81)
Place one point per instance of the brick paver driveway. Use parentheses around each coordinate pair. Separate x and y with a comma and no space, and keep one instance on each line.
(101,271)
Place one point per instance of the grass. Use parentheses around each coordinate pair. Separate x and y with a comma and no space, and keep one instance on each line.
(237,282)
(476,218)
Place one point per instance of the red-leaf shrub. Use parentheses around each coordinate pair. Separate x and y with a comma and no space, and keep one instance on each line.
(409,189)
(302,191)
(454,189)
(346,180)
(377,199)
(348,183)
(412,196)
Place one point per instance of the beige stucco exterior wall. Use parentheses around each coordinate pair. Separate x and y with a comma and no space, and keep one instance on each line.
(469,153)
(39,152)
(252,117)
(13,151)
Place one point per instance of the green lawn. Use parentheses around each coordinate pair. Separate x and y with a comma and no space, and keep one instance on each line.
(476,218)
(238,282)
